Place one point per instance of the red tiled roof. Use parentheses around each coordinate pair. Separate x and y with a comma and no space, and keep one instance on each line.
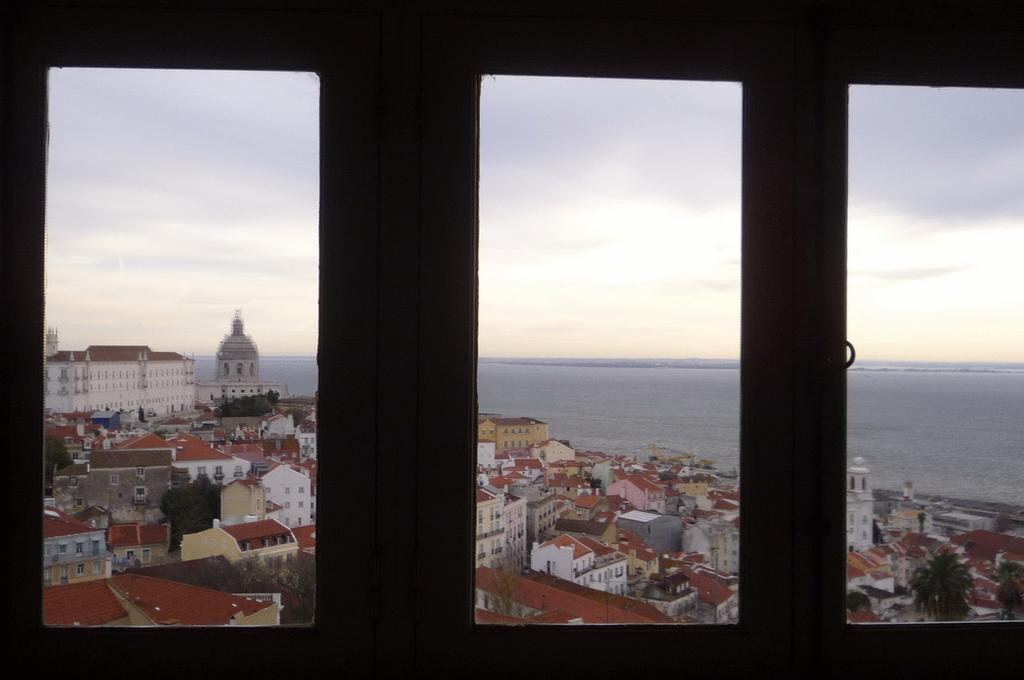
(486,617)
(57,523)
(252,530)
(173,603)
(305,536)
(863,616)
(544,598)
(566,541)
(146,441)
(81,604)
(120,535)
(188,447)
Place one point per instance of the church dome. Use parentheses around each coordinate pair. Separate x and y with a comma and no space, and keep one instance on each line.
(237,345)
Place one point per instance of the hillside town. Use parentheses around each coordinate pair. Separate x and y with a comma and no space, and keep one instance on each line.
(566,535)
(163,508)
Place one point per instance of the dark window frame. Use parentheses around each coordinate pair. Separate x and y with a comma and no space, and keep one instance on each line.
(382,342)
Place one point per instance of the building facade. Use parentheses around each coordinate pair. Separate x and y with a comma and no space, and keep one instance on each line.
(238,368)
(117,378)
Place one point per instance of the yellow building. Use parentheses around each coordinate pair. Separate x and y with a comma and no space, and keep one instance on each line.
(511,433)
(139,544)
(243,498)
(266,540)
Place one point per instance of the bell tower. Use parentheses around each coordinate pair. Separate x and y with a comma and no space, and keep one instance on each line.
(51,341)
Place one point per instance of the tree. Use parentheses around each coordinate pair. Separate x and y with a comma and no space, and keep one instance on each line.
(190,508)
(297,582)
(56,456)
(1008,576)
(506,584)
(941,588)
(273,396)
(857,601)
(298,415)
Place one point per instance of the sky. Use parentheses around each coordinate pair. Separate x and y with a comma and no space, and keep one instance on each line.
(610,220)
(936,224)
(609,215)
(176,197)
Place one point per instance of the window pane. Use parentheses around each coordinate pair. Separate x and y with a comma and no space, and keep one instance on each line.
(175,200)
(936,311)
(608,432)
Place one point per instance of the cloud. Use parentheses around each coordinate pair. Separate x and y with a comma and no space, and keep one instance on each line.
(910,274)
(948,155)
(174,197)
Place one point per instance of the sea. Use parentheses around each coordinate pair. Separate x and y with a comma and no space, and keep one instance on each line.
(955,430)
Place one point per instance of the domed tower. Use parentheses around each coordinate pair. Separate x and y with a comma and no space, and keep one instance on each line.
(238,360)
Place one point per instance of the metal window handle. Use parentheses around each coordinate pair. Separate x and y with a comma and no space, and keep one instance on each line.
(848,362)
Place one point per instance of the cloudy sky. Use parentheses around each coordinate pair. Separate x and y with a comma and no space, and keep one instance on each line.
(936,223)
(175,197)
(609,215)
(609,218)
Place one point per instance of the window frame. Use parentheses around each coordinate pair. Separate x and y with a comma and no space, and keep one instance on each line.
(343,49)
(457,51)
(380,340)
(985,54)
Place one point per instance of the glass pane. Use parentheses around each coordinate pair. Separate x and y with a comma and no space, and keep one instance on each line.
(180,459)
(608,433)
(936,311)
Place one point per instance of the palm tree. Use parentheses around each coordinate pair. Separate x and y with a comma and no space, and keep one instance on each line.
(941,588)
(1008,576)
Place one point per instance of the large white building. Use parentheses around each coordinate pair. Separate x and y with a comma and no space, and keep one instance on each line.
(117,378)
(237,368)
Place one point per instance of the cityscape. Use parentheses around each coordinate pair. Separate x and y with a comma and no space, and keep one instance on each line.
(173,500)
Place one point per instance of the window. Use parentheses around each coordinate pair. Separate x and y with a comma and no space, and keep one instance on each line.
(416,249)
(114,479)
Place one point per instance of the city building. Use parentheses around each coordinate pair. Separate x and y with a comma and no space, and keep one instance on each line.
(138,544)
(583,561)
(129,484)
(511,433)
(73,551)
(289,487)
(117,378)
(267,540)
(238,368)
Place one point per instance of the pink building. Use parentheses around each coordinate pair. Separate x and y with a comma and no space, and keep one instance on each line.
(641,492)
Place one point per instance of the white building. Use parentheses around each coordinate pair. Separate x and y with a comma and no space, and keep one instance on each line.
(238,368)
(117,378)
(582,561)
(289,488)
(485,454)
(277,426)
(859,502)
(513,515)
(306,434)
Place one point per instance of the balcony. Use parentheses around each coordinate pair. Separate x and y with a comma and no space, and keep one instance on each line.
(488,534)
(139,501)
(218,476)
